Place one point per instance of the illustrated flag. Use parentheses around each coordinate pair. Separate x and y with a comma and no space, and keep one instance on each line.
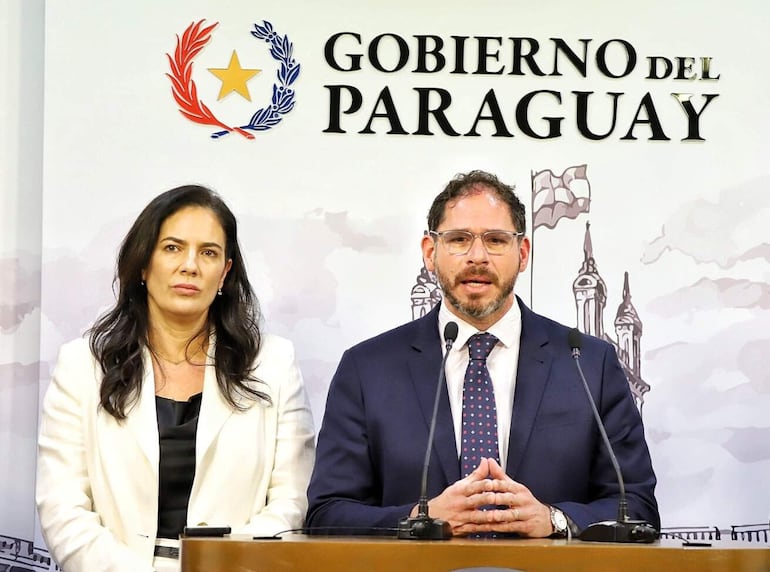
(556,197)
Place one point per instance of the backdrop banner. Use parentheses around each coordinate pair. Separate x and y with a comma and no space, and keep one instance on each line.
(635,136)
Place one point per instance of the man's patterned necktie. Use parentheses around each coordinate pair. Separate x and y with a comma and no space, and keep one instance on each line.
(479,428)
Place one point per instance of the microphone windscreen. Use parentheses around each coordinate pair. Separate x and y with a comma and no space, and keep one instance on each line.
(450,332)
(575,339)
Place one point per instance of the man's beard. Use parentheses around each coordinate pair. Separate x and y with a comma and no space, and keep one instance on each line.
(474,310)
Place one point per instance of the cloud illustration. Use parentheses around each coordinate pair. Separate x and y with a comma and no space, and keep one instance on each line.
(749,444)
(724,372)
(311,241)
(708,294)
(723,231)
(19,289)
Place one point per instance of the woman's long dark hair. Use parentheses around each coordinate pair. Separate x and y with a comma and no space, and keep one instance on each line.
(119,336)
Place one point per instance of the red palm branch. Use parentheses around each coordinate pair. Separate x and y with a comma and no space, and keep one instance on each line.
(183,87)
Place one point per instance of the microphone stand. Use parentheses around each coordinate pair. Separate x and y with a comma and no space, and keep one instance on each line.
(423,526)
(623,529)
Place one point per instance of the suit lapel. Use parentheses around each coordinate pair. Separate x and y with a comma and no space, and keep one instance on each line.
(142,419)
(214,410)
(424,366)
(531,379)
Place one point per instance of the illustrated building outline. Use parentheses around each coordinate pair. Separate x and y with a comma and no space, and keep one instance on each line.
(425,294)
(22,555)
(590,293)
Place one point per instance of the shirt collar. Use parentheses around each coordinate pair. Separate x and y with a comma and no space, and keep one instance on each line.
(507,329)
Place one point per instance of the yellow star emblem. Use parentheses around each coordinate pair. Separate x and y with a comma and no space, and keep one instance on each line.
(234,78)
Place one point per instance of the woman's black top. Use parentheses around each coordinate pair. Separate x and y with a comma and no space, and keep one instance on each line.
(177,425)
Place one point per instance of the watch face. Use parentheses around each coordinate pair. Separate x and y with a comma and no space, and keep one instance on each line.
(558,520)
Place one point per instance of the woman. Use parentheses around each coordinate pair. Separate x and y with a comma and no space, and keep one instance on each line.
(177,411)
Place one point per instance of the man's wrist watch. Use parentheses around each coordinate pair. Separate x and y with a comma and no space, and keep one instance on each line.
(558,521)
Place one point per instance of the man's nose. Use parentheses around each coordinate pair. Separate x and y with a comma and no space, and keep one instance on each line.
(478,252)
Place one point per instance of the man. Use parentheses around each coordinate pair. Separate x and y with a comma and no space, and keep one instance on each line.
(535,419)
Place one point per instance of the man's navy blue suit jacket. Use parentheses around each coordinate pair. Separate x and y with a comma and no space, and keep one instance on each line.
(371,446)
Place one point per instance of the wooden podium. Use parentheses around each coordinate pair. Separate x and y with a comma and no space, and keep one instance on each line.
(368,554)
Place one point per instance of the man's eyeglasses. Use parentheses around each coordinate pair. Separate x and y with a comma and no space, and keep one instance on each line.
(459,242)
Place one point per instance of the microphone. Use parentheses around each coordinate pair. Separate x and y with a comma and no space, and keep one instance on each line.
(422,526)
(623,529)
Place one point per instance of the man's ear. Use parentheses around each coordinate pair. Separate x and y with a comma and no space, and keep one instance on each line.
(428,250)
(525,247)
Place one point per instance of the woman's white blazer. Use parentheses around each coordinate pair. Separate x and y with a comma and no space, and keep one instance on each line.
(97,479)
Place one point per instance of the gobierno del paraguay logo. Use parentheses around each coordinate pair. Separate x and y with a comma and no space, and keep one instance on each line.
(234,78)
